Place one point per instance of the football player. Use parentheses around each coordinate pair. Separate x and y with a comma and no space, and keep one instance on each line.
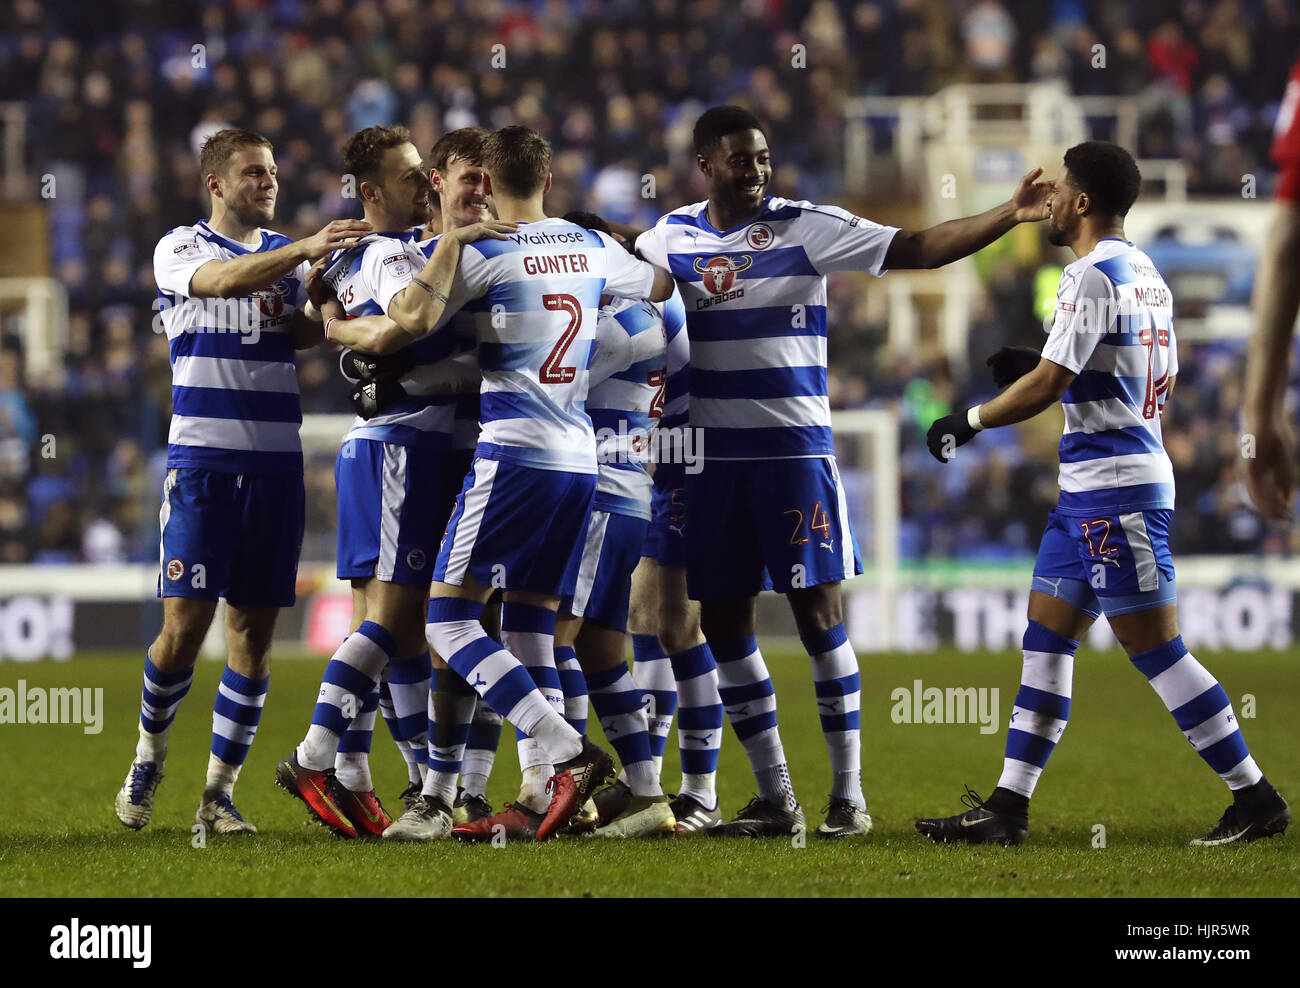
(230,294)
(752,271)
(388,477)
(521,515)
(1111,360)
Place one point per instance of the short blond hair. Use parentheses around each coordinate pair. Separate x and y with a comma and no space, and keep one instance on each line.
(218,149)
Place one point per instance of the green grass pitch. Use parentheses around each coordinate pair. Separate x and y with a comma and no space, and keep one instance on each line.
(1122,766)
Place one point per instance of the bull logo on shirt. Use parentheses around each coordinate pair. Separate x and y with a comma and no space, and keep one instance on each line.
(270,301)
(719,273)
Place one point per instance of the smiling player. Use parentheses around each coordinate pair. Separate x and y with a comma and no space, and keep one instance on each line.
(521,515)
(752,271)
(233,501)
(387,478)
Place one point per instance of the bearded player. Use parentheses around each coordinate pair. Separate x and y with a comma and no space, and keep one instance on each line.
(387,477)
(1111,360)
(520,517)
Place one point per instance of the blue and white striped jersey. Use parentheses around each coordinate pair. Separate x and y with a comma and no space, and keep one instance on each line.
(365,278)
(535,299)
(755,299)
(464,433)
(1114,328)
(625,405)
(675,402)
(235,405)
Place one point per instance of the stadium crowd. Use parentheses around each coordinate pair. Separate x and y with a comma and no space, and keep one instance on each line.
(116,116)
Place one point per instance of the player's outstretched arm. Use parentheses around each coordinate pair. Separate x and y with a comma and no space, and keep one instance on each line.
(1011,363)
(592,221)
(628,233)
(246,274)
(955,239)
(1270,474)
(377,335)
(418,308)
(1039,389)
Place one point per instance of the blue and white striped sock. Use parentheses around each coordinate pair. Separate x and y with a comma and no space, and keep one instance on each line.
(454,632)
(415,761)
(361,731)
(528,633)
(1201,709)
(1042,708)
(409,682)
(480,749)
(574,684)
(160,698)
(350,677)
(352,762)
(618,704)
(839,701)
(699,722)
(236,712)
(447,734)
(653,672)
(750,701)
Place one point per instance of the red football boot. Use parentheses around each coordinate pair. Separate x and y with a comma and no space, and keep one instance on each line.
(321,792)
(516,823)
(364,810)
(572,784)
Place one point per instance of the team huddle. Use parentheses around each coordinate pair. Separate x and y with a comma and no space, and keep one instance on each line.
(515,495)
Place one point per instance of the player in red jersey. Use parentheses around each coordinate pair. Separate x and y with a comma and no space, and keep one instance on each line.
(1270,472)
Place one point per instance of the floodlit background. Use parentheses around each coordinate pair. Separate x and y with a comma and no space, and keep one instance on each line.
(905,111)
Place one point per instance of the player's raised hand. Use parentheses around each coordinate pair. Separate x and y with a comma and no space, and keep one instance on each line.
(316,287)
(1011,363)
(1030,198)
(487,230)
(947,434)
(335,235)
(1270,475)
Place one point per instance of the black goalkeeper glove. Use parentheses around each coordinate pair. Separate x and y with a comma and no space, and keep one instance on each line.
(363,368)
(1011,363)
(373,397)
(947,434)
